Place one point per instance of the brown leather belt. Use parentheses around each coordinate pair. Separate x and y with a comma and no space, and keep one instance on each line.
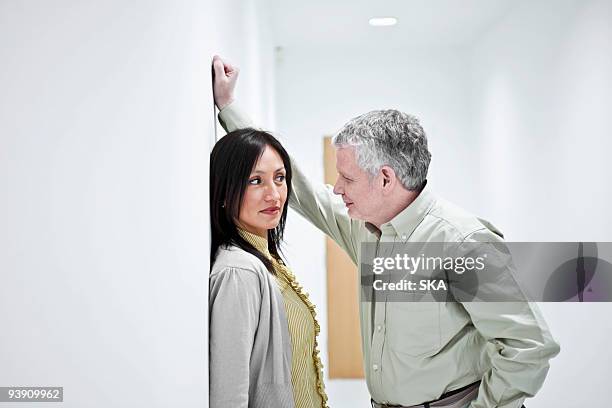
(450,399)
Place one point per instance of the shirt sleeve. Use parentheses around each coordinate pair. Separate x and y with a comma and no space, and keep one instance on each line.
(234,305)
(325,210)
(315,202)
(520,344)
(232,118)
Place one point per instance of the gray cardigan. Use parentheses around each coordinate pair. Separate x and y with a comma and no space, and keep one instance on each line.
(250,347)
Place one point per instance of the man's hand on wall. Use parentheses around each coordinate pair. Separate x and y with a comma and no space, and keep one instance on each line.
(224,82)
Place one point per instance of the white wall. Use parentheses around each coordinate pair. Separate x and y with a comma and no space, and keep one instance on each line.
(244,38)
(542,86)
(519,125)
(106,124)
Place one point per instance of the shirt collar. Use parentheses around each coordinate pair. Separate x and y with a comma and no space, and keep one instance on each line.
(259,243)
(410,217)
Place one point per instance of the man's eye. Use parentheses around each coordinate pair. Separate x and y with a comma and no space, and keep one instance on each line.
(346,178)
(255,181)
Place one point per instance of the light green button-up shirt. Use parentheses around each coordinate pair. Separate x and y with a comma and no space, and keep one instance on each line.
(414,352)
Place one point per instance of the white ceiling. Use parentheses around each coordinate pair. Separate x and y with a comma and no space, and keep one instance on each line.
(317,23)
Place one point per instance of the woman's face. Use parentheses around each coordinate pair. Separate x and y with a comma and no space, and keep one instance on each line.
(265,194)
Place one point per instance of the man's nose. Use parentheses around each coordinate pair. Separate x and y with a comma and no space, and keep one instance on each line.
(338,188)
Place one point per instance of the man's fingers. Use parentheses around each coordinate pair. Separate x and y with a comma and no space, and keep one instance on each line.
(224,69)
(234,73)
(218,67)
(224,81)
(230,70)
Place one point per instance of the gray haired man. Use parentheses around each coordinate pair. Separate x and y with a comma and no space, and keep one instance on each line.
(434,354)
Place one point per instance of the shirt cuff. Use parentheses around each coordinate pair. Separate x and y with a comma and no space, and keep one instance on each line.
(233,118)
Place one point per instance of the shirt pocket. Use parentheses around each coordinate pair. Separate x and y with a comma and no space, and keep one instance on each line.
(413,328)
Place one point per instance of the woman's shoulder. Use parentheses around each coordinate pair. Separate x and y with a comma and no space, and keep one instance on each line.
(237,260)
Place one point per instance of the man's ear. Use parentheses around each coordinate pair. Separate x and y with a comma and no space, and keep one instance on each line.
(388,178)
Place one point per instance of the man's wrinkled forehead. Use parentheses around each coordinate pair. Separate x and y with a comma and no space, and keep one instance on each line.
(345,159)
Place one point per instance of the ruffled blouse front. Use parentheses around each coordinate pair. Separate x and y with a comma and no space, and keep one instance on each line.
(306,367)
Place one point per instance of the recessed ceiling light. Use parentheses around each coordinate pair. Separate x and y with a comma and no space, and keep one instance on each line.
(383,21)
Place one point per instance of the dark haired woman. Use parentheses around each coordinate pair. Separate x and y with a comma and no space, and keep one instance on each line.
(263,348)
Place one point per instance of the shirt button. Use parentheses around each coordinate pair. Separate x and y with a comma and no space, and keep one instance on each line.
(379,327)
(375,367)
(404,236)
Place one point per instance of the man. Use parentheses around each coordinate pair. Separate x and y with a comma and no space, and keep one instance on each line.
(438,354)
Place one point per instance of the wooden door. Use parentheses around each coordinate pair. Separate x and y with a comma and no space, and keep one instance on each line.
(344,341)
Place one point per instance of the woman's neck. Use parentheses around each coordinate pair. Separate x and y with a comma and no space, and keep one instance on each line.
(260,233)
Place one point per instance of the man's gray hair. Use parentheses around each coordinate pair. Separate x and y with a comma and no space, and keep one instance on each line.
(392,138)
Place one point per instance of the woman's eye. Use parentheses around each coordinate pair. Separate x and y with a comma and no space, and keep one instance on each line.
(255,181)
(280,178)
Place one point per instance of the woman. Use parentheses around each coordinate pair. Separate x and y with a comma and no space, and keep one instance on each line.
(263,348)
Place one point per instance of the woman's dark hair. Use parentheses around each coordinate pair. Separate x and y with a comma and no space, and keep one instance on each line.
(231,162)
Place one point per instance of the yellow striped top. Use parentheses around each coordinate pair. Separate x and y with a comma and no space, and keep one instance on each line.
(306,367)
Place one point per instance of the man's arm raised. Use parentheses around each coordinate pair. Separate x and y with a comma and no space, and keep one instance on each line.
(315,202)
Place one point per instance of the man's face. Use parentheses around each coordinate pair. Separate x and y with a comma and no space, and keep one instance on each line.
(361,193)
